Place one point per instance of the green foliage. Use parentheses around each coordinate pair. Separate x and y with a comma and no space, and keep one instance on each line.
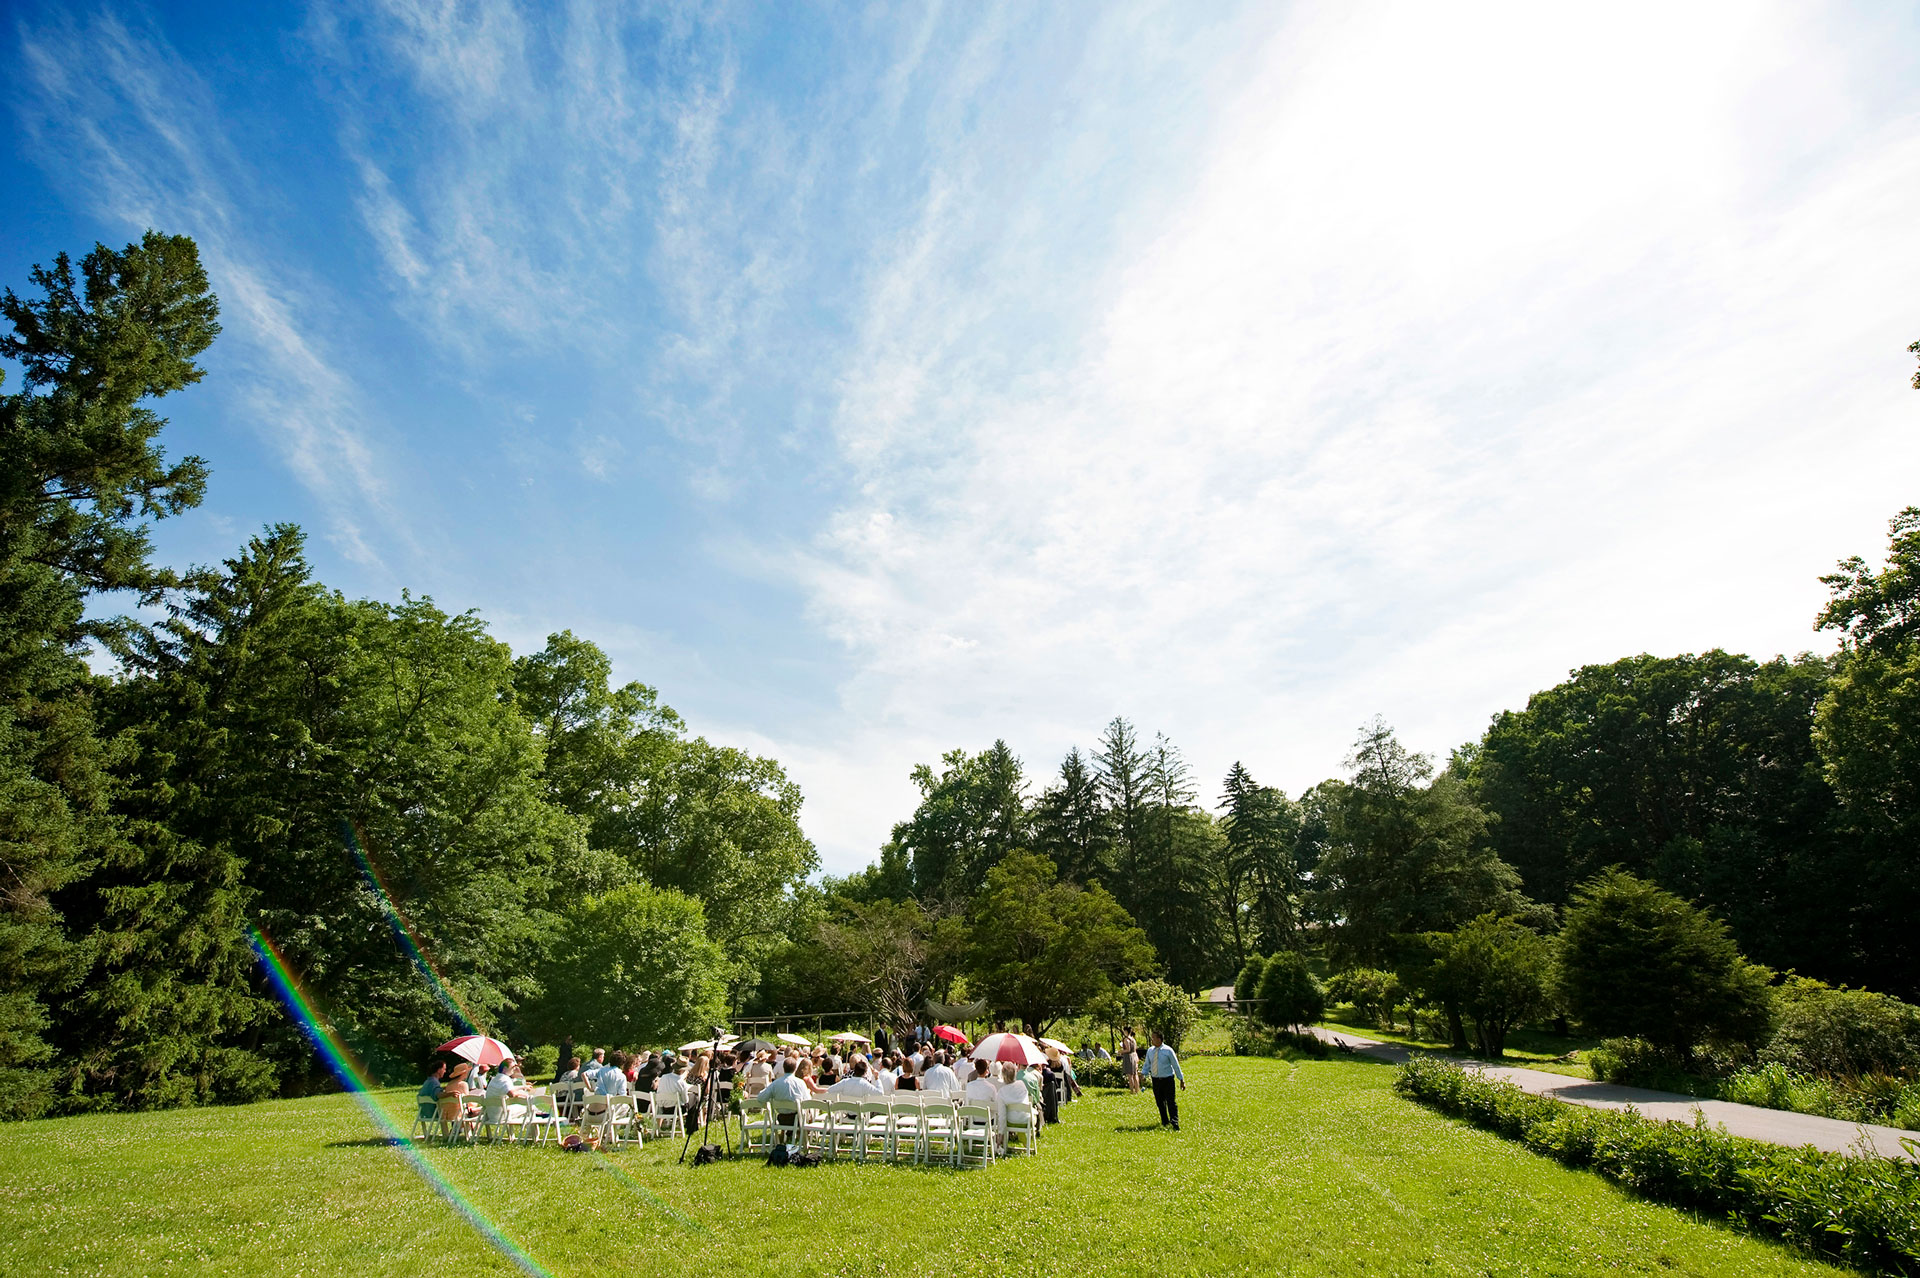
(1819,1029)
(1406,852)
(1039,947)
(1494,970)
(1860,1098)
(1868,732)
(1289,992)
(1372,993)
(1072,826)
(542,1061)
(1151,1005)
(633,968)
(972,813)
(1259,878)
(1865,1211)
(1697,772)
(1247,984)
(1636,960)
(81,473)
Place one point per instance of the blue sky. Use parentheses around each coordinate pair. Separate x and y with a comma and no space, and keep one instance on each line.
(878,381)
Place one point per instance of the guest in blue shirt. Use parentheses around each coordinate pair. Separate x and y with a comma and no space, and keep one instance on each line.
(430,1093)
(612,1079)
(1163,1067)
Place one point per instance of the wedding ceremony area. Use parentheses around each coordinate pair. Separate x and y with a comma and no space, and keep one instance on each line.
(872,638)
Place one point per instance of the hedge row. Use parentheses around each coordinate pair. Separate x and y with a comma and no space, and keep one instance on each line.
(1865,1211)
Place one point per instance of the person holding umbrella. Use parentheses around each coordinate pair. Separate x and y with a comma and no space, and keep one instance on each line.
(1163,1067)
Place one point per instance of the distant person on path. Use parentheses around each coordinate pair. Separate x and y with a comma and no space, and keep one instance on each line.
(1130,1059)
(1163,1067)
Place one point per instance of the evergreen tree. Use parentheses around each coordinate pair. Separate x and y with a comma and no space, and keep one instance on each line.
(1407,852)
(81,474)
(1072,826)
(1123,779)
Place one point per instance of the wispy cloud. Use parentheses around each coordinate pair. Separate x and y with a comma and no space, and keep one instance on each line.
(1473,341)
(136,134)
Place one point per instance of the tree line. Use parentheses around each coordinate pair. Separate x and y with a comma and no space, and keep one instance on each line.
(437,834)
(1782,796)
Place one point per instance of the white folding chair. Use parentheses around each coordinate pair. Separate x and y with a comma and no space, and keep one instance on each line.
(541,1119)
(1023,1132)
(452,1121)
(756,1126)
(938,1129)
(783,1120)
(876,1129)
(973,1135)
(815,1126)
(494,1124)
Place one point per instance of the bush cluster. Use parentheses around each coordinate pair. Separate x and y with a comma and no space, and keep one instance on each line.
(1093,1072)
(1865,1211)
(1862,1098)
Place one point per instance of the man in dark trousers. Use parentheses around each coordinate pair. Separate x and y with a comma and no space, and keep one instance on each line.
(1163,1067)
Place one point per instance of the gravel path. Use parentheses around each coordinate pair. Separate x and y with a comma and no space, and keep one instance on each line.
(1776,1126)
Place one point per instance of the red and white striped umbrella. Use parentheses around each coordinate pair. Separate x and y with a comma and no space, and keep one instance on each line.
(477,1048)
(1017,1048)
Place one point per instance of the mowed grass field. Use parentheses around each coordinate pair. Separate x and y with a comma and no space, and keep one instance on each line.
(1308,1167)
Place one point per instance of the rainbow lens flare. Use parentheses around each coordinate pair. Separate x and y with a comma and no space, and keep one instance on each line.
(353,1077)
(403,931)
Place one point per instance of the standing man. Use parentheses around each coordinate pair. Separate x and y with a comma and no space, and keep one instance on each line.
(1163,1067)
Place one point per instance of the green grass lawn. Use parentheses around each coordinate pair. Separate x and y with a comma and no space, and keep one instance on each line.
(1289,1167)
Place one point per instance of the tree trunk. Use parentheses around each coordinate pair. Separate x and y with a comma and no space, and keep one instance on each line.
(1456,1032)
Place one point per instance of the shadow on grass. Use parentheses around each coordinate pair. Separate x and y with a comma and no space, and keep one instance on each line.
(1141,1127)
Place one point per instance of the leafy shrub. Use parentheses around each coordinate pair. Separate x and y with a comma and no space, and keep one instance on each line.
(1250,1038)
(541,1062)
(1289,994)
(1093,1072)
(1372,993)
(1865,1211)
(1638,961)
(1156,1005)
(1247,985)
(1822,1030)
(1869,1098)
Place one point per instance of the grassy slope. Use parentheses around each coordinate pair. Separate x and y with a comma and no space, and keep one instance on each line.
(1310,1167)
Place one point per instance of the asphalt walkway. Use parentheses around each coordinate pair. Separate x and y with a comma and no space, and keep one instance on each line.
(1776,1126)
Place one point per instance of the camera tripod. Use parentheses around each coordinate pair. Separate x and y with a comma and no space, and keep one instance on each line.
(709,1102)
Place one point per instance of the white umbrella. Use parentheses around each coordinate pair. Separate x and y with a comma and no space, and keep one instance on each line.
(795,1039)
(698,1045)
(1057,1046)
(851,1037)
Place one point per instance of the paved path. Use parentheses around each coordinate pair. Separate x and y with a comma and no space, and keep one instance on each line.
(1777,1126)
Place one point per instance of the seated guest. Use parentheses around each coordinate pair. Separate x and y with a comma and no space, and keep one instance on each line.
(938,1077)
(671,1095)
(905,1081)
(612,1079)
(591,1074)
(855,1086)
(885,1076)
(805,1071)
(430,1092)
(758,1074)
(569,1071)
(1011,1092)
(648,1072)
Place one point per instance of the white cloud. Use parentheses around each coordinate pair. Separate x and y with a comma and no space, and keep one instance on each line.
(135,137)
(1480,345)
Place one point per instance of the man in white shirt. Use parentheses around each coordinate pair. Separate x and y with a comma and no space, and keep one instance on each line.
(855,1086)
(885,1076)
(919,1059)
(938,1077)
(670,1092)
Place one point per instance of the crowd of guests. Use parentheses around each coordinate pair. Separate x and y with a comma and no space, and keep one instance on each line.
(681,1082)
